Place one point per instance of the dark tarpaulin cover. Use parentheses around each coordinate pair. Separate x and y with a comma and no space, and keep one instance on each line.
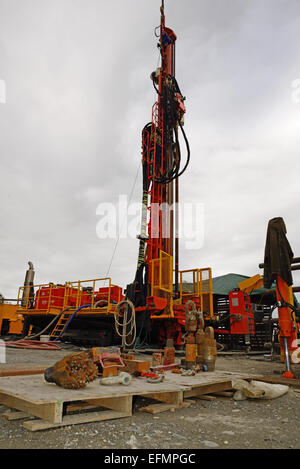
(278,254)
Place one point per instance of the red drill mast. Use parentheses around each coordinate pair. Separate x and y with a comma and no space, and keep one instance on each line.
(161,158)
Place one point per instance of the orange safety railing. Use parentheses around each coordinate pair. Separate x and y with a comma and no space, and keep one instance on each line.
(197,284)
(162,273)
(46,296)
(162,280)
(93,292)
(98,293)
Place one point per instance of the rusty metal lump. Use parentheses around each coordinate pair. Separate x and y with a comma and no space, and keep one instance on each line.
(73,371)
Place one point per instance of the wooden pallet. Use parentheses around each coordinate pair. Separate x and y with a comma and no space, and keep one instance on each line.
(206,383)
(34,397)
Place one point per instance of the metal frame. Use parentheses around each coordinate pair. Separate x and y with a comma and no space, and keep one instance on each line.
(162,272)
(72,290)
(198,290)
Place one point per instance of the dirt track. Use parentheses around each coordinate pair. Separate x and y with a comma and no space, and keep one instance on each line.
(218,424)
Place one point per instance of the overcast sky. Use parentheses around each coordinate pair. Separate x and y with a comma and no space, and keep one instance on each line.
(78,94)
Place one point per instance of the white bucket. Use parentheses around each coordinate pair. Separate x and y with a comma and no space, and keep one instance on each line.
(44,338)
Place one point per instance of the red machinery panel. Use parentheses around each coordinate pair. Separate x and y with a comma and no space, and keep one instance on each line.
(60,296)
(72,297)
(241,317)
(115,293)
(47,297)
(101,297)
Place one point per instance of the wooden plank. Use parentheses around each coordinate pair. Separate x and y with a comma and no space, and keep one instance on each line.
(223,393)
(11,415)
(120,403)
(78,407)
(49,411)
(21,371)
(190,401)
(205,378)
(277,380)
(168,397)
(187,403)
(36,425)
(206,398)
(172,366)
(157,408)
(210,388)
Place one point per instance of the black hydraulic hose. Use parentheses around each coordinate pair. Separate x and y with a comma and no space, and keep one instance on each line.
(171,109)
(188,150)
(156,88)
(177,173)
(176,85)
(50,324)
(47,327)
(284,302)
(70,319)
(224,319)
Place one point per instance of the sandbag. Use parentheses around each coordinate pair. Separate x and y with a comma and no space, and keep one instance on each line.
(257,390)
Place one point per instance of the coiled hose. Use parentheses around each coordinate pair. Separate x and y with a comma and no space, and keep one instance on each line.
(128,326)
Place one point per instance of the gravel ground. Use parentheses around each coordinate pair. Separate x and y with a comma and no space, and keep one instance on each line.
(219,424)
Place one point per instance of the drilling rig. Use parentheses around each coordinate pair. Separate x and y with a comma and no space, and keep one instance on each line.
(154,304)
(156,292)
(162,299)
